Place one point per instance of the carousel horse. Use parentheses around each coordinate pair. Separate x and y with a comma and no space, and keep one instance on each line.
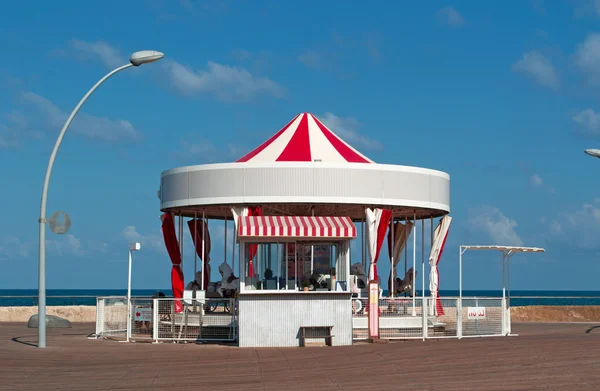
(230,284)
(405,285)
(196,284)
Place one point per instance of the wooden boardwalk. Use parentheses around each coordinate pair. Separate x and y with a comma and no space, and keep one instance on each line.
(542,357)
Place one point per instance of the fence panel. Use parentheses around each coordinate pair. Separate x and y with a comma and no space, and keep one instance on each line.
(401,318)
(141,318)
(481,317)
(443,319)
(111,318)
(201,320)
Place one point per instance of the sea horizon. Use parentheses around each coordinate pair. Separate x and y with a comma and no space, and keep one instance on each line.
(67,297)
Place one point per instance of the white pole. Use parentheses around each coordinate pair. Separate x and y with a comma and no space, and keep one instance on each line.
(225,245)
(364,249)
(460,273)
(129,299)
(405,251)
(393,267)
(422,262)
(42,220)
(203,257)
(195,248)
(414,277)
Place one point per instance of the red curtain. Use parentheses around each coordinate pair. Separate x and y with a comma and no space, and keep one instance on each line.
(193,224)
(384,222)
(170,238)
(438,302)
(252,211)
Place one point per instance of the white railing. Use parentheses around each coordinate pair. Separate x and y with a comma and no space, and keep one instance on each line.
(156,319)
(418,318)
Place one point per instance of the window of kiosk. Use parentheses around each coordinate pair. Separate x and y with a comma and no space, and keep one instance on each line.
(295,265)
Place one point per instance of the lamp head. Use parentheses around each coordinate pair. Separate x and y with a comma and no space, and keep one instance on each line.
(593,152)
(145,57)
(134,246)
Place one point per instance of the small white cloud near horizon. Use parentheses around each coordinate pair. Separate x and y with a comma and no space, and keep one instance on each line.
(450,16)
(65,245)
(227,83)
(90,126)
(537,66)
(153,241)
(497,227)
(589,120)
(12,247)
(347,129)
(580,226)
(536,180)
(587,58)
(110,57)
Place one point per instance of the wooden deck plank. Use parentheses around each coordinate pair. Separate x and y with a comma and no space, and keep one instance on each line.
(543,356)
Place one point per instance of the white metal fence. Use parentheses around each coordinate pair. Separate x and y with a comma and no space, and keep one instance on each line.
(418,318)
(156,319)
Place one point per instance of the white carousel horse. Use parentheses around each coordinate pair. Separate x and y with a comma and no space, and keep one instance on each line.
(405,285)
(230,284)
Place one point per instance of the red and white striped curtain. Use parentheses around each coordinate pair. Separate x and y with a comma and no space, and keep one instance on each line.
(377,222)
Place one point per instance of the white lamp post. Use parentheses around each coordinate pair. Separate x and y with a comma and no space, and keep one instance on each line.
(136,59)
(132,247)
(593,152)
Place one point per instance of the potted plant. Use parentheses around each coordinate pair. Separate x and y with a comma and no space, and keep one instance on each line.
(305,285)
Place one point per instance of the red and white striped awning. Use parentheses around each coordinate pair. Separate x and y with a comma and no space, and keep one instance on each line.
(305,139)
(296,227)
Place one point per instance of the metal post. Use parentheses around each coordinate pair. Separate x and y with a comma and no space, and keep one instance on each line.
(195,248)
(129,300)
(414,258)
(225,245)
(391,292)
(203,257)
(42,220)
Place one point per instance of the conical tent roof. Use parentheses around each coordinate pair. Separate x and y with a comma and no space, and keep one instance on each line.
(305,139)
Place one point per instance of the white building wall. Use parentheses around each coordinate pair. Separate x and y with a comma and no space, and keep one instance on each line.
(274,319)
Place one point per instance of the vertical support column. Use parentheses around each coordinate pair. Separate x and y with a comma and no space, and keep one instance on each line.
(155,320)
(504,309)
(194,239)
(392,266)
(225,244)
(414,276)
(203,257)
(423,304)
(242,263)
(364,247)
(405,250)
(459,306)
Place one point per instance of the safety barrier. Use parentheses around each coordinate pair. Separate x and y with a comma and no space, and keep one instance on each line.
(166,319)
(418,318)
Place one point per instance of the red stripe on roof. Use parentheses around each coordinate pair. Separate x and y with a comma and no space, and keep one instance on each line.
(347,153)
(298,148)
(264,145)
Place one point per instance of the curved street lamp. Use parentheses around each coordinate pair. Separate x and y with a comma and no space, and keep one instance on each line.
(593,152)
(136,59)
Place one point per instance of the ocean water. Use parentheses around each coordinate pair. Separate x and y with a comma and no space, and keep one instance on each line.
(28,297)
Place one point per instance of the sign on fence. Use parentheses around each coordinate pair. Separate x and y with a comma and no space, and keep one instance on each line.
(142,314)
(475,312)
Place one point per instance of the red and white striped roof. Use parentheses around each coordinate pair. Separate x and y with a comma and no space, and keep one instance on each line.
(305,139)
(296,227)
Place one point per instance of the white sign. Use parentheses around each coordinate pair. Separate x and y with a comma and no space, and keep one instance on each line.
(142,314)
(475,312)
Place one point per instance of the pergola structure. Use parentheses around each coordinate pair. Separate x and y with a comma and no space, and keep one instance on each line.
(507,254)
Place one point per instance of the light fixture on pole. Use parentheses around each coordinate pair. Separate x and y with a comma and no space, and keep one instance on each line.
(136,59)
(593,152)
(132,247)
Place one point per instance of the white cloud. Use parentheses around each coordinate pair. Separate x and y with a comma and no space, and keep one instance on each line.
(589,120)
(579,227)
(347,129)
(226,82)
(204,150)
(587,58)
(536,180)
(499,228)
(153,241)
(536,65)
(12,247)
(311,59)
(87,125)
(65,245)
(450,16)
(109,56)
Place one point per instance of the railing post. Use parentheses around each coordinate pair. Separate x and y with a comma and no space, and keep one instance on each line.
(155,320)
(129,317)
(424,316)
(99,316)
(504,329)
(459,323)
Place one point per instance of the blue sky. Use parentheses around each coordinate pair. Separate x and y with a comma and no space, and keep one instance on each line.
(504,96)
